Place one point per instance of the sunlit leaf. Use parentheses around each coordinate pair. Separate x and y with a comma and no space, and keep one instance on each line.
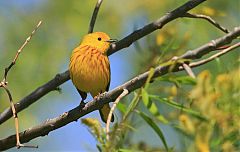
(178,80)
(122,107)
(145,97)
(150,75)
(161,118)
(151,106)
(125,150)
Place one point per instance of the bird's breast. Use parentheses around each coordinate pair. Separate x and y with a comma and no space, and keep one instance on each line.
(90,70)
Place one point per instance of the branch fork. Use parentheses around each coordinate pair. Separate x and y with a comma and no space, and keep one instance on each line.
(4,85)
(123,94)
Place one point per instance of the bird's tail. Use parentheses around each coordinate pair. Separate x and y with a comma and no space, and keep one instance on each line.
(104,113)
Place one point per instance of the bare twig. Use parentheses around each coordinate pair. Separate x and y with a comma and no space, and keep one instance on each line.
(14,112)
(94,16)
(231,48)
(131,85)
(123,94)
(4,84)
(125,42)
(208,18)
(19,51)
(188,70)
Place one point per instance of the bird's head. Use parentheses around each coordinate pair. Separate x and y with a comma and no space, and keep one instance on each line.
(99,40)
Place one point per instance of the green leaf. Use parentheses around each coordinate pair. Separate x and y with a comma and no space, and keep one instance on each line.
(179,80)
(145,97)
(154,126)
(186,80)
(132,105)
(151,106)
(122,107)
(99,148)
(125,150)
(161,118)
(150,75)
(179,106)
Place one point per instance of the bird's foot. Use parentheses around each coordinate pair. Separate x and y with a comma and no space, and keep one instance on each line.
(100,95)
(82,104)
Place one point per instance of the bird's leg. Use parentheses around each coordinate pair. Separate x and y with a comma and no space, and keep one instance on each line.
(99,94)
(83,96)
(95,97)
(82,104)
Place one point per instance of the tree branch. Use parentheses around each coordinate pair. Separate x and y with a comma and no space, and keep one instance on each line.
(35,95)
(217,55)
(207,18)
(214,44)
(131,85)
(125,42)
(94,16)
(158,24)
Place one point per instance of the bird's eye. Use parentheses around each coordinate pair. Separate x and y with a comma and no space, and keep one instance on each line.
(99,39)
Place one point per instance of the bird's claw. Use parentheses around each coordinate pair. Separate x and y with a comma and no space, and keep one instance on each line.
(82,104)
(100,95)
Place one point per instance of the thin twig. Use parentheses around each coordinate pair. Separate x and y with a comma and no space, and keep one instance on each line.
(18,143)
(14,112)
(188,70)
(4,84)
(123,94)
(94,16)
(208,18)
(194,64)
(19,51)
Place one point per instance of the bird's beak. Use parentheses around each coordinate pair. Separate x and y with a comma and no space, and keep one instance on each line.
(111,40)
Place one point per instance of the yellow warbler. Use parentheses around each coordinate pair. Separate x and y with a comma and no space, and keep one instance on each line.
(90,69)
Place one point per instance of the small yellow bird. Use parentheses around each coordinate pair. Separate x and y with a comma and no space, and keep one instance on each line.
(90,69)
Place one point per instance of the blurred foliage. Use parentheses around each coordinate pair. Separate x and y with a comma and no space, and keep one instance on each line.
(175,112)
(207,120)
